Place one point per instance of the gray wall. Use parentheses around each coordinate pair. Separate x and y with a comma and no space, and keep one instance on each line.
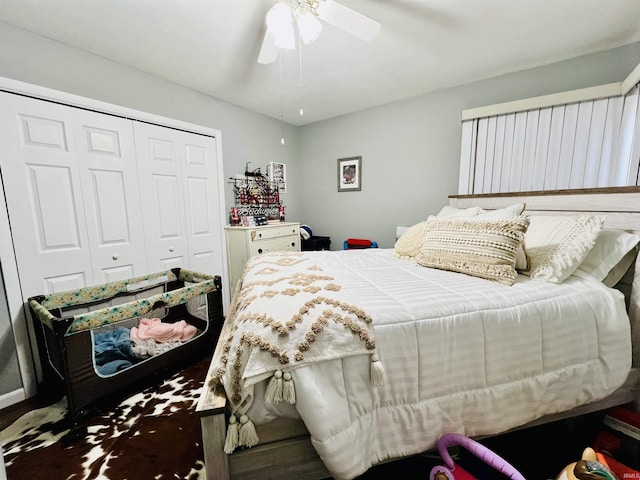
(246,136)
(411,149)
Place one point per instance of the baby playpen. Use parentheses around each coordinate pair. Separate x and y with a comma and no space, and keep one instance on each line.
(104,339)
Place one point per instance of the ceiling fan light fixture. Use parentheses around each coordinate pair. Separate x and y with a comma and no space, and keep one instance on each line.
(280,23)
(309,26)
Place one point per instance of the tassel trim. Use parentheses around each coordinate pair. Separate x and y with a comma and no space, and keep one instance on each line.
(377,370)
(240,433)
(273,394)
(280,388)
(232,438)
(288,389)
(247,436)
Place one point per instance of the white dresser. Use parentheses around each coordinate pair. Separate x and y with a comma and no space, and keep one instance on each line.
(245,242)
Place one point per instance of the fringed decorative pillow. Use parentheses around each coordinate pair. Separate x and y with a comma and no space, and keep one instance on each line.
(557,245)
(512,211)
(485,249)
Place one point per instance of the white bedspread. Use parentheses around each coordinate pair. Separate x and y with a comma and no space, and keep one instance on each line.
(461,354)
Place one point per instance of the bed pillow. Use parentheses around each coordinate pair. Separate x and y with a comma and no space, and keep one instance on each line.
(618,272)
(511,211)
(557,245)
(409,243)
(449,212)
(612,248)
(485,249)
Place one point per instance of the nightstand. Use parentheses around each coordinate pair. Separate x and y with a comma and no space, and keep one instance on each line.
(316,243)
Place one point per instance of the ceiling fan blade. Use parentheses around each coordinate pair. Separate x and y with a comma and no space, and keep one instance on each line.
(269,51)
(349,20)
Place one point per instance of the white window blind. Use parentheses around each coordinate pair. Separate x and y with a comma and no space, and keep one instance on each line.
(593,143)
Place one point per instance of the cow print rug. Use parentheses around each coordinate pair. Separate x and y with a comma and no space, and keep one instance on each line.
(153,434)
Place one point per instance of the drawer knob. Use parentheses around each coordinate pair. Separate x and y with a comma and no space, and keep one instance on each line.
(293,244)
(259,250)
(115,256)
(171,248)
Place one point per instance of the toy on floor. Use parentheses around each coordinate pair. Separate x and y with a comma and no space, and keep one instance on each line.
(451,471)
(587,468)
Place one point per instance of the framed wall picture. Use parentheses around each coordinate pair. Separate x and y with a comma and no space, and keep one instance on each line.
(278,176)
(349,174)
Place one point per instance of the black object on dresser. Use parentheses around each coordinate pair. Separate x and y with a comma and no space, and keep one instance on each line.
(316,243)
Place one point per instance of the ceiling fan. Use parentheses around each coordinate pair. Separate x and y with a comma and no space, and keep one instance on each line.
(305,14)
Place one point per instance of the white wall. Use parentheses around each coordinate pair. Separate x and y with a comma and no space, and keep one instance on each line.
(411,149)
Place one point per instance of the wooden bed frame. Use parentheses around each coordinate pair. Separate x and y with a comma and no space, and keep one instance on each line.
(286,452)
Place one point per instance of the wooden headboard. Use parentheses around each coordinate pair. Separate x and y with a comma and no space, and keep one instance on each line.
(621,205)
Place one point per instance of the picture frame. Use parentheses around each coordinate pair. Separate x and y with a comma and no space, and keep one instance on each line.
(350,174)
(278,176)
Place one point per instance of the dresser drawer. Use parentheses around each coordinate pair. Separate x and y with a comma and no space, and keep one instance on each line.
(274,232)
(289,243)
(246,242)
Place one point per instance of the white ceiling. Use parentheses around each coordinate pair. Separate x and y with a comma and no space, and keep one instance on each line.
(424,45)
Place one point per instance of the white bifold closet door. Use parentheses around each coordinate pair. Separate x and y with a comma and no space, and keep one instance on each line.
(71,188)
(95,198)
(178,177)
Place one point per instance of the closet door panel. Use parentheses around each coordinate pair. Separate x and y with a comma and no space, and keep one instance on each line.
(178,174)
(111,196)
(202,207)
(162,196)
(44,197)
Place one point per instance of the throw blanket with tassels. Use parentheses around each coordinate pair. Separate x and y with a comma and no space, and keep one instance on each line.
(286,313)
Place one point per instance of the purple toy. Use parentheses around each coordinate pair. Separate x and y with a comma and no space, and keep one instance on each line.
(451,471)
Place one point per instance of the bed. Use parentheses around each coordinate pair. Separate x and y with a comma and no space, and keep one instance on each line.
(435,351)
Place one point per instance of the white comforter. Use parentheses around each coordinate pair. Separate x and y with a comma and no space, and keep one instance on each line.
(461,354)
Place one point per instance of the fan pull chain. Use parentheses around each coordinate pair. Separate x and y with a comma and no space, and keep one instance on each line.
(281,115)
(300,79)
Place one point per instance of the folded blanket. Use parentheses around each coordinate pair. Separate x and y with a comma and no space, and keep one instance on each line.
(156,329)
(286,313)
(112,350)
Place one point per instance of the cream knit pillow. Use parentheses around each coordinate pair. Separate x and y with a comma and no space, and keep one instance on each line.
(485,249)
(409,243)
